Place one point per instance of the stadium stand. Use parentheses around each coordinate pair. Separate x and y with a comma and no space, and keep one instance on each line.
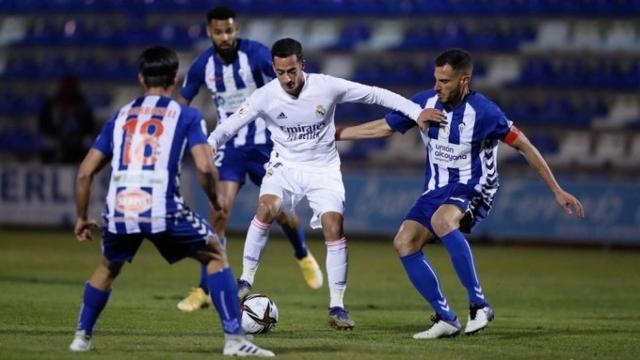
(566,71)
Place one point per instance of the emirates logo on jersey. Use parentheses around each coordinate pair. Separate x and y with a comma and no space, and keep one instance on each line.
(133,201)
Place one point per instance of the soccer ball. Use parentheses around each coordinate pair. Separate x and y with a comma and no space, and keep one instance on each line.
(259,314)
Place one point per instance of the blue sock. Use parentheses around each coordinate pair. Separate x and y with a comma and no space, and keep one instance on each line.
(296,238)
(424,279)
(93,302)
(462,259)
(224,293)
(203,270)
(203,279)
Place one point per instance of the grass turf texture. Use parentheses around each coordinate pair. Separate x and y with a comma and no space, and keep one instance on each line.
(550,303)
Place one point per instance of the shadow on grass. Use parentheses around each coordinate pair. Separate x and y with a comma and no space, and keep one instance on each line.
(39,280)
(107,333)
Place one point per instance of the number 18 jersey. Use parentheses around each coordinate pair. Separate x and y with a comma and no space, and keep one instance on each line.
(146,140)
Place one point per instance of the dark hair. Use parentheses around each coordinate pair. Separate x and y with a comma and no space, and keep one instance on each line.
(158,66)
(286,47)
(458,59)
(220,13)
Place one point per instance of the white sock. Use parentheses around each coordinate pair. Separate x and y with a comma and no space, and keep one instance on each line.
(254,244)
(337,265)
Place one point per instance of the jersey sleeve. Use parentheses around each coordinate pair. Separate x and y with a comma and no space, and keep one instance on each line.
(194,78)
(104,141)
(349,91)
(246,113)
(197,130)
(496,123)
(400,122)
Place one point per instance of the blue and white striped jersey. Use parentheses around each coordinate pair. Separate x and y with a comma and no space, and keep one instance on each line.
(146,140)
(465,149)
(231,84)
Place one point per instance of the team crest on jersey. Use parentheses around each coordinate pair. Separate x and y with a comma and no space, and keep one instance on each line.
(135,201)
(461,127)
(320,111)
(243,111)
(445,129)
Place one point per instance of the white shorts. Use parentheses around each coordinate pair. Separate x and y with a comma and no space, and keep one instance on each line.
(323,189)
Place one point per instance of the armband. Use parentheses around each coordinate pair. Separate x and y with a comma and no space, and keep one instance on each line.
(512,135)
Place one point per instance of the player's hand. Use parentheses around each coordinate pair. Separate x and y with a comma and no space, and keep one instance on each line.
(83,229)
(431,115)
(569,203)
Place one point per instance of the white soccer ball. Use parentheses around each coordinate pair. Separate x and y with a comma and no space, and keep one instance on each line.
(259,314)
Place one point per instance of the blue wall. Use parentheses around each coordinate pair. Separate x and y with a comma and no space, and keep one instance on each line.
(524,209)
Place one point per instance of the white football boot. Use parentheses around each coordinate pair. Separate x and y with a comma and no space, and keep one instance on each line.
(81,342)
(241,346)
(440,329)
(479,317)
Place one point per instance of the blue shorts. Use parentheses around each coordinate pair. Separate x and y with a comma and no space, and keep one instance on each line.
(186,233)
(459,195)
(234,164)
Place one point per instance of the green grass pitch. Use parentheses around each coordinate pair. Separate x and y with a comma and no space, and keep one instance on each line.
(550,303)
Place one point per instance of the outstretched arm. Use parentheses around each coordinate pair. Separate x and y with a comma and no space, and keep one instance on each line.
(207,172)
(517,140)
(223,132)
(91,165)
(370,130)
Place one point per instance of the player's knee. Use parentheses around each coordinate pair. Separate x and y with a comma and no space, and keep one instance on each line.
(405,245)
(332,231)
(443,225)
(267,212)
(215,252)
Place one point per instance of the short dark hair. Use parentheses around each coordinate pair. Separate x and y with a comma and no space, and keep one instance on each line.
(220,13)
(458,59)
(158,66)
(286,47)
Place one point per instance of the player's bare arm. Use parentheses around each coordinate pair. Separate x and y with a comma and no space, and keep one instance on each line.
(430,115)
(92,163)
(517,140)
(370,130)
(207,172)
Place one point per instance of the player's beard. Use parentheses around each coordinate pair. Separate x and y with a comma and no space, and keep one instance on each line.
(228,53)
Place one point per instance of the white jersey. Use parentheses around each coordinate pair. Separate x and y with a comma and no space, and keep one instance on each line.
(302,129)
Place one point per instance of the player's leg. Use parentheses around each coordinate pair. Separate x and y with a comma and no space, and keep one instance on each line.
(337,268)
(310,269)
(408,242)
(199,298)
(96,294)
(445,223)
(185,239)
(326,196)
(116,249)
(257,157)
(414,232)
(256,240)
